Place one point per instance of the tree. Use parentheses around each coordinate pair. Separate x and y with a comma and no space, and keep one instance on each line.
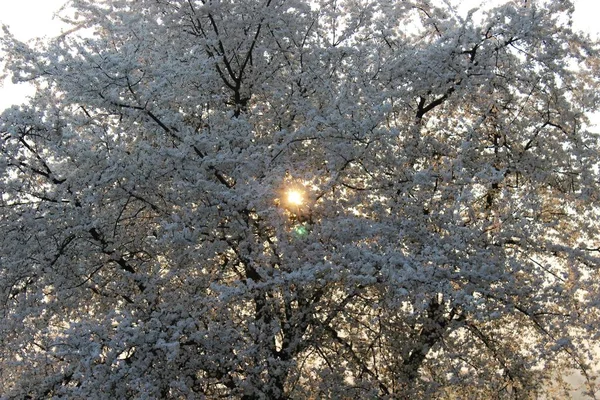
(269,199)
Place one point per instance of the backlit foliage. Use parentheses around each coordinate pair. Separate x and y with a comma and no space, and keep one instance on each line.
(442,243)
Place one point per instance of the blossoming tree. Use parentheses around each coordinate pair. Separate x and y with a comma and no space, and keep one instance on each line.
(273,199)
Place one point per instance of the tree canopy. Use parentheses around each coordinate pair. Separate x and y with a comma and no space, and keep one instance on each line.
(294,199)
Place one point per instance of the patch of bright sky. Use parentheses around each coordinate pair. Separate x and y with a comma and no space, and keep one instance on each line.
(26,20)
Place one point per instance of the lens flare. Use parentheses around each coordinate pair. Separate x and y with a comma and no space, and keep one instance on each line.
(295,198)
(301,230)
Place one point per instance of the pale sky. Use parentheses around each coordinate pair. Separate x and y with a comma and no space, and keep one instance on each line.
(30,18)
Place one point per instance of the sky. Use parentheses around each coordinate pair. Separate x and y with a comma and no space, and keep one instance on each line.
(26,20)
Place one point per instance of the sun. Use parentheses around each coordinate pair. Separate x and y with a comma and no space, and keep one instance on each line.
(295,197)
